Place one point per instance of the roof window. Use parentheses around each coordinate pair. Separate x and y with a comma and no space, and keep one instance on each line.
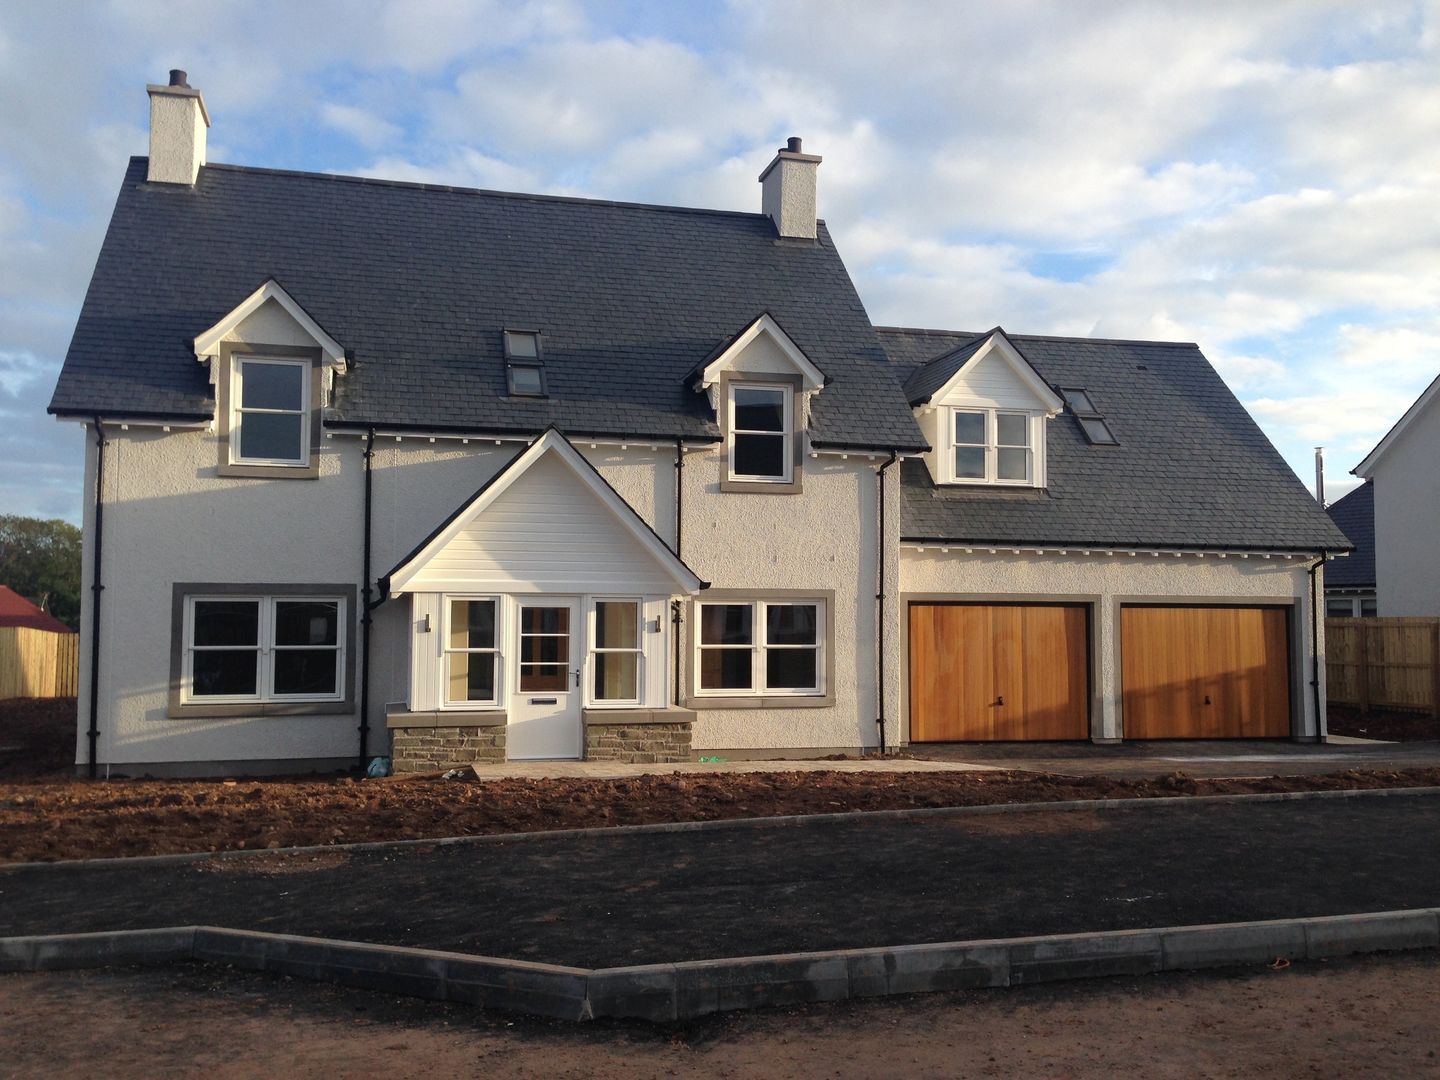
(1092,424)
(524,363)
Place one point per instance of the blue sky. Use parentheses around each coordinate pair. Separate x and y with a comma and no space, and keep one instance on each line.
(1263,179)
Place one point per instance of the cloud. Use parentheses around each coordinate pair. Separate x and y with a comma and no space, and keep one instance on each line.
(361,125)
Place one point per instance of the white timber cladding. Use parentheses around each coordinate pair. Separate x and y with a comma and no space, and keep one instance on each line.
(1407,512)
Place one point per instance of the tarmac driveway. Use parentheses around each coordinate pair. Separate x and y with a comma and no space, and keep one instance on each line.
(1208,758)
(645,896)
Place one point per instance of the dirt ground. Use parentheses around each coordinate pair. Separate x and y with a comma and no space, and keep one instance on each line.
(1386,726)
(47,814)
(1363,1018)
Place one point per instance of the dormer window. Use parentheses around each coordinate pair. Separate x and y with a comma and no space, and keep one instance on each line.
(524,363)
(762,433)
(993,446)
(272,412)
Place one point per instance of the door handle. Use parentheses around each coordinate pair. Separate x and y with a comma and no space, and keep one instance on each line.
(576,673)
(1000,700)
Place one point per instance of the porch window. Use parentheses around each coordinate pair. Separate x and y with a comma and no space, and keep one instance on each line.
(767,646)
(616,651)
(471,655)
(264,648)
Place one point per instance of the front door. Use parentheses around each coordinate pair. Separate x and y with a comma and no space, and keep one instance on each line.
(544,716)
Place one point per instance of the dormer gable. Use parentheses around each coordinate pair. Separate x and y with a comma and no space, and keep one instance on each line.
(270,316)
(761,348)
(983,407)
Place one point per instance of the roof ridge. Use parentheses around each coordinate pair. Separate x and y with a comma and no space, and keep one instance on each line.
(1036,337)
(454,189)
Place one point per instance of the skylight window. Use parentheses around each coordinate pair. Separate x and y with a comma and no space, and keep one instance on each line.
(524,363)
(1092,424)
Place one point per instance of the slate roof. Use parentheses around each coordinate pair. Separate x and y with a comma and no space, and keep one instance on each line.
(1192,468)
(1355,515)
(929,377)
(418,280)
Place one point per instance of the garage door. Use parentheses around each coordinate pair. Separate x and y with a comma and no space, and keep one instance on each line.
(1205,672)
(981,672)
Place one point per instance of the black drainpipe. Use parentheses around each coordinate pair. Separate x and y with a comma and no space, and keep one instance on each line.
(365,608)
(679,518)
(1315,648)
(96,588)
(880,605)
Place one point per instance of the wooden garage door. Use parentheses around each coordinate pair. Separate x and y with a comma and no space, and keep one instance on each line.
(981,672)
(1205,672)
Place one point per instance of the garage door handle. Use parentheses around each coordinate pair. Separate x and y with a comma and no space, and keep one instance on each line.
(1207,699)
(1000,700)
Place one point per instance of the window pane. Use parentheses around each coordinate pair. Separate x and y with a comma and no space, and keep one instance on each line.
(1079,401)
(525,379)
(617,676)
(760,455)
(1012,429)
(1097,431)
(305,671)
(1012,464)
(227,622)
(759,410)
(970,463)
(970,427)
(790,669)
(306,622)
(544,677)
(544,620)
(790,624)
(1368,609)
(472,624)
(544,650)
(272,386)
(725,669)
(225,672)
(1338,609)
(725,624)
(519,344)
(272,436)
(472,676)
(617,624)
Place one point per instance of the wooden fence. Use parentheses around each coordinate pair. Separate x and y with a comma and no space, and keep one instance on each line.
(38,663)
(1384,663)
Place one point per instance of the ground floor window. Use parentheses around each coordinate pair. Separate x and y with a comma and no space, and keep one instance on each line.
(260,648)
(770,646)
(1351,607)
(616,651)
(471,653)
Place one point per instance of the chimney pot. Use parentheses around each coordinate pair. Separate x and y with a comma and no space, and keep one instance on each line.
(792,144)
(177,78)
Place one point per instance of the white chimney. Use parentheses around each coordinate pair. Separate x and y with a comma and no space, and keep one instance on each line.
(1320,475)
(787,191)
(178,119)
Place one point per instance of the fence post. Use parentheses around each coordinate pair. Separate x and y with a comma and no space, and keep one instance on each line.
(1362,667)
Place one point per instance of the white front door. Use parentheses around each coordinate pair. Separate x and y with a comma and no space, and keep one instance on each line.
(544,715)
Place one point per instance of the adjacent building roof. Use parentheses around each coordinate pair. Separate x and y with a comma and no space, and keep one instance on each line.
(15,610)
(1192,469)
(417,282)
(1355,515)
(1366,468)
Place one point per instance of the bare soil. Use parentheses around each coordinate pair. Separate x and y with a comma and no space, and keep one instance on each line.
(1386,726)
(1363,1018)
(47,814)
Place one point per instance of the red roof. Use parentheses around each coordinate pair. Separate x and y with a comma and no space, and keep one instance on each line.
(15,610)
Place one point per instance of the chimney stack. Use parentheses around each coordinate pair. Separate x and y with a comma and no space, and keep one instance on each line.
(1320,475)
(178,119)
(787,191)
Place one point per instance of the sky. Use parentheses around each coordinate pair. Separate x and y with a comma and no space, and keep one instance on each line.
(1260,178)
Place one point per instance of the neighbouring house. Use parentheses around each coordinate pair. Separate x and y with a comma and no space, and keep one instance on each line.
(467,475)
(38,652)
(1350,582)
(1405,486)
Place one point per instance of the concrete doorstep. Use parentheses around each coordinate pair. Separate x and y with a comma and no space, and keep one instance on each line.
(680,991)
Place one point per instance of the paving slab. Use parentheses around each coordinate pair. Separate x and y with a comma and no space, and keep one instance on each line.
(658,897)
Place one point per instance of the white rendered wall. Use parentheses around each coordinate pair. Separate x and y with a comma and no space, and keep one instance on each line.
(1102,580)
(1407,520)
(177,138)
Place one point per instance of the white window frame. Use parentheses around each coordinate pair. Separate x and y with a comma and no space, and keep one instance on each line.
(759,646)
(497,652)
(1034,446)
(237,412)
(787,432)
(266,648)
(592,651)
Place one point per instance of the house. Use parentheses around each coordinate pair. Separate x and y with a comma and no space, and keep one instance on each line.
(38,652)
(456,475)
(1350,582)
(1406,493)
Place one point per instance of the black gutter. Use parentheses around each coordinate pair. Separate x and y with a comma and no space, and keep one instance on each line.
(1113,545)
(880,604)
(527,432)
(365,607)
(96,588)
(1315,648)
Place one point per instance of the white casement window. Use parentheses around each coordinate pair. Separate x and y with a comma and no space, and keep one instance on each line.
(472,652)
(762,433)
(616,655)
(992,446)
(264,648)
(761,646)
(270,412)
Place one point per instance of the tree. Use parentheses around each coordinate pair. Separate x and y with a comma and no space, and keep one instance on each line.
(40,560)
